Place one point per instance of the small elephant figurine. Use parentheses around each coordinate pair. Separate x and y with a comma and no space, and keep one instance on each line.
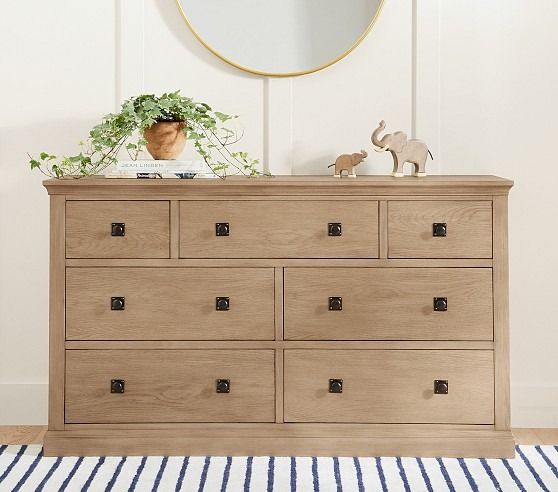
(402,150)
(347,162)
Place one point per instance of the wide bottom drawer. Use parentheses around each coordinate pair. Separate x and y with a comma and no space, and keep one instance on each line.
(389,386)
(135,386)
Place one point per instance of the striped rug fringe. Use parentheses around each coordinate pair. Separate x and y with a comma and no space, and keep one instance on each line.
(24,468)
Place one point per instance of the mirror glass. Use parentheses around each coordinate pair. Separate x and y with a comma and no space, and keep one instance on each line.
(280,37)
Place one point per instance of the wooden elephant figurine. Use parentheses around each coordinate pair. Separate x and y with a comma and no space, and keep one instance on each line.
(347,162)
(402,150)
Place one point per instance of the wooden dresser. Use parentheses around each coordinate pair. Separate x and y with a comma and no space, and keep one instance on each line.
(280,316)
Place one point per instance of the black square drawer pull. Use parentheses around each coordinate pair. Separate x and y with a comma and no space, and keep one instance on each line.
(222,304)
(118,229)
(441,387)
(439,229)
(440,304)
(222,229)
(334,229)
(117,385)
(336,386)
(117,303)
(335,303)
(223,386)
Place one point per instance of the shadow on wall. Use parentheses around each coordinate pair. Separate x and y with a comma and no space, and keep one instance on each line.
(173,19)
(58,137)
(374,164)
(317,165)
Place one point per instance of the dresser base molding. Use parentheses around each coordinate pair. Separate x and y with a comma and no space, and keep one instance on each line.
(283,440)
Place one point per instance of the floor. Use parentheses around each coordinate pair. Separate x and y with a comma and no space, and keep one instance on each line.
(24,468)
(34,434)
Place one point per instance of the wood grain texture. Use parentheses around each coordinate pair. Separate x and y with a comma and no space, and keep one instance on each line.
(170,304)
(501,315)
(174,228)
(225,429)
(286,262)
(279,230)
(57,320)
(22,434)
(180,443)
(279,302)
(279,198)
(536,436)
(383,231)
(389,386)
(286,344)
(100,187)
(388,304)
(469,229)
(279,385)
(34,434)
(388,348)
(88,229)
(170,386)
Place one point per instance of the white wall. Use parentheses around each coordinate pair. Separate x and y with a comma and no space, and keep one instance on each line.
(475,79)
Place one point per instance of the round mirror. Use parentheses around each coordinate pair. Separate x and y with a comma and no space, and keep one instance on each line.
(280,37)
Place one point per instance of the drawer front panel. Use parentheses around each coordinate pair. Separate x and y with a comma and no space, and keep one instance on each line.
(388,304)
(389,386)
(90,232)
(468,229)
(279,229)
(170,303)
(169,386)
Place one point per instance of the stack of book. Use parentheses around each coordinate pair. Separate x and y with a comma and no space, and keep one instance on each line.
(145,169)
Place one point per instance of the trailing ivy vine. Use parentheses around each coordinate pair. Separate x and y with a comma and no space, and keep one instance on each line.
(124,130)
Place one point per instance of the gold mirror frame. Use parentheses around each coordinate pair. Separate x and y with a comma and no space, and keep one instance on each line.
(286,74)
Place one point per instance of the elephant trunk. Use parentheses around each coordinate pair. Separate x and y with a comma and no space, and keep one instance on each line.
(375,140)
(364,154)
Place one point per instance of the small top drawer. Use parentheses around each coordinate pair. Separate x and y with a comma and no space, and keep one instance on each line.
(117,229)
(279,229)
(440,229)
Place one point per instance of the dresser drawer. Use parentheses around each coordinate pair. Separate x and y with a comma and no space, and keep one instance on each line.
(412,232)
(169,386)
(389,386)
(388,304)
(279,229)
(117,229)
(169,303)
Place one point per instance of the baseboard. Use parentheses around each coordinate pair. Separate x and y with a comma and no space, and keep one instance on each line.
(534,406)
(23,403)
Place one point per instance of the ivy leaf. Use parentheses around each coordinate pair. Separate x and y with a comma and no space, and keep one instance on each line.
(222,116)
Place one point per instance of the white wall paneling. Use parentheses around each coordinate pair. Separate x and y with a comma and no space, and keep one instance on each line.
(278,125)
(130,48)
(57,77)
(426,78)
(476,80)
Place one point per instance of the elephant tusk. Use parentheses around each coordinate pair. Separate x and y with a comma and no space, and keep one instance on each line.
(382,149)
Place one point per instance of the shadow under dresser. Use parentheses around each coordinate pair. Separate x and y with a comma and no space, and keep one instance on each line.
(293,315)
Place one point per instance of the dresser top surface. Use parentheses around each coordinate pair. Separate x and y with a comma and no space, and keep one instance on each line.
(284,185)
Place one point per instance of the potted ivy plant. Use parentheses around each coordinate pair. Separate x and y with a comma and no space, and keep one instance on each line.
(162,125)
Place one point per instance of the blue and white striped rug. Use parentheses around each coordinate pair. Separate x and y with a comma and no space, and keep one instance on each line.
(23,468)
